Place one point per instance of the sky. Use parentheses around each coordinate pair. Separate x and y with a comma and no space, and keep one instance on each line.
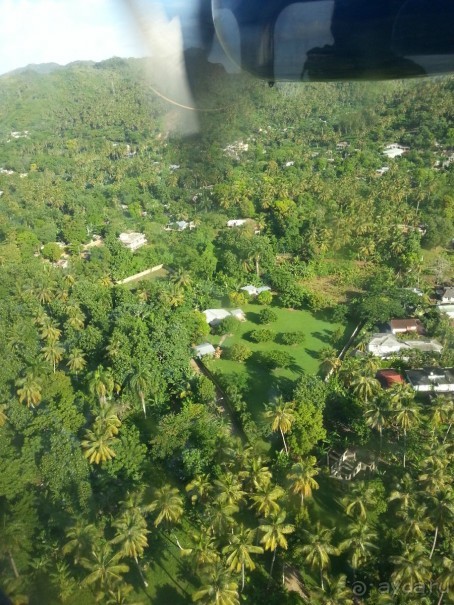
(62,31)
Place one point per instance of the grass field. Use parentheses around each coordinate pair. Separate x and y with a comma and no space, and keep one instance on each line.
(264,384)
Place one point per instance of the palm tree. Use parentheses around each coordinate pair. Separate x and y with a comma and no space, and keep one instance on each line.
(199,488)
(169,504)
(302,477)
(76,318)
(76,361)
(406,416)
(105,567)
(413,567)
(80,538)
(359,543)
(50,331)
(376,416)
(274,532)
(318,549)
(221,517)
(259,476)
(29,390)
(217,588)
(359,498)
(404,493)
(140,379)
(265,500)
(101,383)
(131,535)
(281,416)
(3,416)
(335,592)
(239,551)
(416,523)
(97,445)
(53,353)
(441,512)
(364,387)
(446,580)
(203,553)
(229,489)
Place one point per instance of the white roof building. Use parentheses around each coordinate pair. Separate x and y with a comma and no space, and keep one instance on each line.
(238,314)
(254,290)
(447,310)
(204,349)
(394,150)
(431,379)
(215,316)
(385,345)
(133,241)
(237,222)
(447,295)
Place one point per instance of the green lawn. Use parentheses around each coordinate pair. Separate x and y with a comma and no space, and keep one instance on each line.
(264,384)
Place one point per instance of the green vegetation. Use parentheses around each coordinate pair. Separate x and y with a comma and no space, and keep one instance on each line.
(131,473)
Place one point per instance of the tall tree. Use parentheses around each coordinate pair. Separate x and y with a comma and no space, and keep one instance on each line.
(239,551)
(302,477)
(274,533)
(318,549)
(281,416)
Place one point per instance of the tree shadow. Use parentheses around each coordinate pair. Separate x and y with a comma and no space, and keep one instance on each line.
(168,594)
(325,336)
(313,354)
(253,316)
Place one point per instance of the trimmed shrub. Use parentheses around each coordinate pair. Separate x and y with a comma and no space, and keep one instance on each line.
(276,359)
(239,352)
(229,325)
(263,335)
(267,316)
(292,338)
(264,298)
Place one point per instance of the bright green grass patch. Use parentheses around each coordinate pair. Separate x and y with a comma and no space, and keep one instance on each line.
(264,384)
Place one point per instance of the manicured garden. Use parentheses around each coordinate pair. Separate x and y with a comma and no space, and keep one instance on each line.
(262,382)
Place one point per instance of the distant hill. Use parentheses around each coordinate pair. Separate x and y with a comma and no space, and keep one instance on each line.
(45,68)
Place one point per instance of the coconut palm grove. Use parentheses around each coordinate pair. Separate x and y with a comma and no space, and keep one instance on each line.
(226,357)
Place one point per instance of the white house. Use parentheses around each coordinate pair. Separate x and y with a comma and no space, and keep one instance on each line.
(238,314)
(237,222)
(400,326)
(381,171)
(204,349)
(215,316)
(426,380)
(133,241)
(385,345)
(447,310)
(447,296)
(393,150)
(254,290)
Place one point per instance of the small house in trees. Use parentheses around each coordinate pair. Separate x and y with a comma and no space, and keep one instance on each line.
(180,226)
(254,290)
(394,150)
(133,241)
(238,222)
(447,295)
(401,326)
(204,349)
(215,316)
(385,345)
(388,378)
(426,380)
(238,314)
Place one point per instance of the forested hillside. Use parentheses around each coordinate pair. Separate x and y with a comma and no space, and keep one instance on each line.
(131,472)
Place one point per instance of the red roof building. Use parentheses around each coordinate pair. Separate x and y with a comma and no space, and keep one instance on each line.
(388,378)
